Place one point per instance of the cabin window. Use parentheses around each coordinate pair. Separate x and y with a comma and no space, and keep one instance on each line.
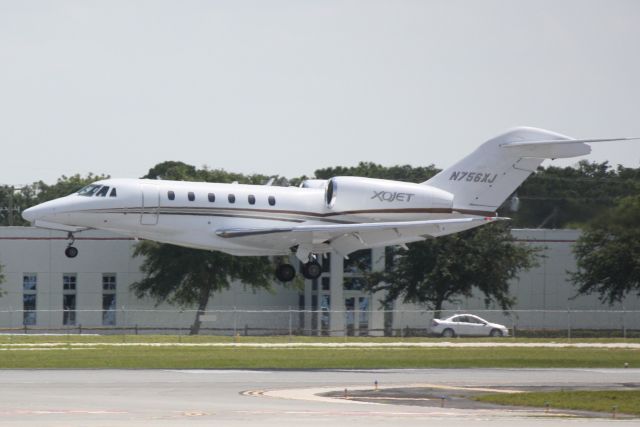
(171,195)
(252,199)
(272,200)
(191,196)
(232,198)
(212,197)
(103,191)
(89,190)
(113,192)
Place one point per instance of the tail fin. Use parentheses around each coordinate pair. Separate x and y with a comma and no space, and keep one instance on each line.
(482,181)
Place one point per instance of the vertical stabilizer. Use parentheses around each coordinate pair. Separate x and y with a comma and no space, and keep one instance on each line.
(482,181)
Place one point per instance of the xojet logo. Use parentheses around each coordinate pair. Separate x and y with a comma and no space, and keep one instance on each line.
(392,196)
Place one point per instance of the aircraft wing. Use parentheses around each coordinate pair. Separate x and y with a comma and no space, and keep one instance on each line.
(347,238)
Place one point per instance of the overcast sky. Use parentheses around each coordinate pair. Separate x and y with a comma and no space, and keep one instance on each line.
(286,87)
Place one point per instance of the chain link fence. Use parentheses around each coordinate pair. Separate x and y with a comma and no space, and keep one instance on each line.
(272,322)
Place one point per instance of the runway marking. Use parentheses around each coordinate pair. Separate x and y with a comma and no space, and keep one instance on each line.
(216,371)
(65,348)
(314,394)
(59,412)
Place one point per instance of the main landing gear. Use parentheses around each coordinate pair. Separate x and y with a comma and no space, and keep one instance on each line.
(310,270)
(71,251)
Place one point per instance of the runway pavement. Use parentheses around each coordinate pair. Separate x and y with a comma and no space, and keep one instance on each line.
(274,398)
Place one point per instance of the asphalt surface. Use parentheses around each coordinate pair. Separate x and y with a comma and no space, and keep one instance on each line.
(283,398)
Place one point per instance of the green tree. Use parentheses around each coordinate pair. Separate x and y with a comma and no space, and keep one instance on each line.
(440,270)
(556,197)
(372,170)
(14,200)
(179,171)
(64,186)
(189,277)
(608,253)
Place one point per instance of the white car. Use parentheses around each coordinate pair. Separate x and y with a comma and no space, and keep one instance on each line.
(469,325)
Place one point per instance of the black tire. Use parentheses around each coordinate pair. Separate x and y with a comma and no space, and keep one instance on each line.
(71,252)
(495,333)
(285,272)
(448,333)
(311,270)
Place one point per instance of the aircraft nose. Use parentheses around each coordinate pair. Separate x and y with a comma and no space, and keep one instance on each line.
(35,212)
(29,214)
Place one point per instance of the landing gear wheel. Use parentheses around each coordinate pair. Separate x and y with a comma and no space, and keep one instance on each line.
(285,272)
(311,270)
(71,252)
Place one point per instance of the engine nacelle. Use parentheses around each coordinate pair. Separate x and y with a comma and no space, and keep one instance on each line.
(356,195)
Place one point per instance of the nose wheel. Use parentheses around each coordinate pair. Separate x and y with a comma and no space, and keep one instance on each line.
(71,251)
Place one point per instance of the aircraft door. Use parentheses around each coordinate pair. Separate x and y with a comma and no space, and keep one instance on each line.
(150,204)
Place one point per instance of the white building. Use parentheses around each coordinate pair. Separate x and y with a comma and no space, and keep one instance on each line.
(45,290)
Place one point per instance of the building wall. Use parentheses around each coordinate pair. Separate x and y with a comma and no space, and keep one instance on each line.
(335,303)
(25,250)
(545,296)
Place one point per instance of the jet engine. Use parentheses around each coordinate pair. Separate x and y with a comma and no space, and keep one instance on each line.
(373,197)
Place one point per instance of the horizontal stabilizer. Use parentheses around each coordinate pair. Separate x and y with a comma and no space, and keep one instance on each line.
(484,179)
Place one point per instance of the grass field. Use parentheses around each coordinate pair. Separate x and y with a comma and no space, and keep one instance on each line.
(625,401)
(179,352)
(75,338)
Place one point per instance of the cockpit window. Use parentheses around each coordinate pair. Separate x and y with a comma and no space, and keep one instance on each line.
(103,191)
(89,190)
(113,192)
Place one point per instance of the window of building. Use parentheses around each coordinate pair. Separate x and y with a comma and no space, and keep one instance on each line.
(326,283)
(212,197)
(191,196)
(358,262)
(252,199)
(69,309)
(109,299)
(69,281)
(103,191)
(326,263)
(29,298)
(109,282)
(29,282)
(113,192)
(272,200)
(232,198)
(353,283)
(171,195)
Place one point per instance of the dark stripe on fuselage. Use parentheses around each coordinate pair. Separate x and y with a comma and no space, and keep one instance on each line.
(301,215)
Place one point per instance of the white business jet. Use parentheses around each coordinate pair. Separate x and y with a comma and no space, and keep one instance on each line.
(342,214)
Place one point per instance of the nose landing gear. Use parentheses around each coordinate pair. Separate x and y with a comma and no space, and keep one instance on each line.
(71,251)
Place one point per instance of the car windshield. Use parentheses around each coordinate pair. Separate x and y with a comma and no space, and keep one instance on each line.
(89,190)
